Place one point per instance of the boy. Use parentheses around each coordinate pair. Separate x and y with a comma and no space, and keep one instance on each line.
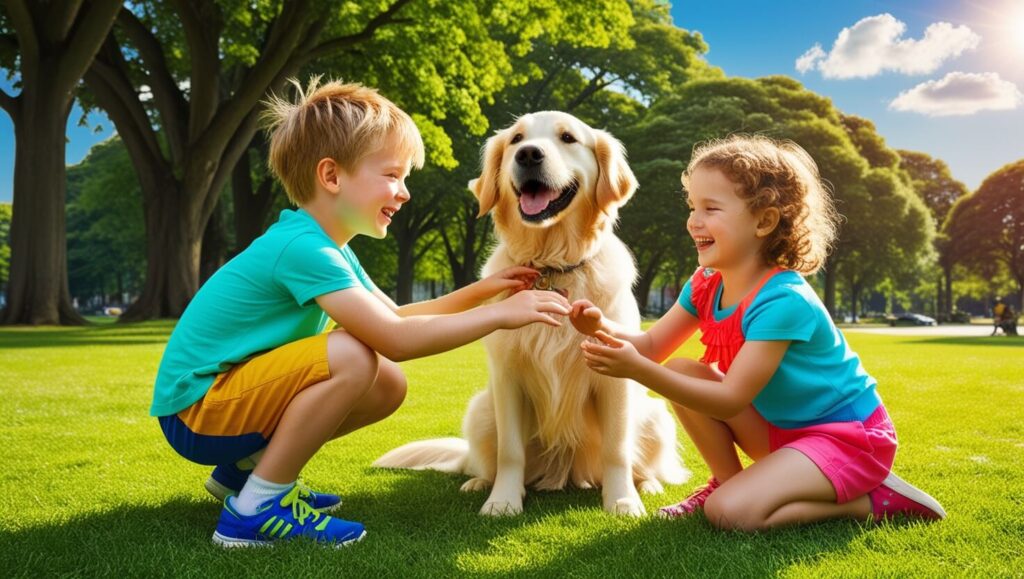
(250,379)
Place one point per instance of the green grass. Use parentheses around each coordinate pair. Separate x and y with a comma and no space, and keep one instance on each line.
(90,487)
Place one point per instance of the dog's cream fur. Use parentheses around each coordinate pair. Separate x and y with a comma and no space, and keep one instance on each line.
(545,418)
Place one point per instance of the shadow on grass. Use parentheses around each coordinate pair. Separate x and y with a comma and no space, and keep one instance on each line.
(92,335)
(419,525)
(1001,341)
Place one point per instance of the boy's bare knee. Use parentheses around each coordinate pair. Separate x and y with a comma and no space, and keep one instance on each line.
(351,361)
(392,385)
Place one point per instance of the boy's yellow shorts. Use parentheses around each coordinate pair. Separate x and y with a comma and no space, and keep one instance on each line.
(241,410)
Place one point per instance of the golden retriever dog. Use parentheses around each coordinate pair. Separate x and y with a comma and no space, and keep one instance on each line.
(545,419)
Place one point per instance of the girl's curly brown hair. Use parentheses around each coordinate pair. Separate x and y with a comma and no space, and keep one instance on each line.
(779,174)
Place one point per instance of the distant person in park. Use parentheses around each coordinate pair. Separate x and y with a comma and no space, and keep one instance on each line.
(997,314)
(250,381)
(777,378)
(1007,320)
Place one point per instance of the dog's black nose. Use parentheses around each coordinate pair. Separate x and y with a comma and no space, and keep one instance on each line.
(529,156)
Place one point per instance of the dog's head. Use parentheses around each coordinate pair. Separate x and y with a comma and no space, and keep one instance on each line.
(551,169)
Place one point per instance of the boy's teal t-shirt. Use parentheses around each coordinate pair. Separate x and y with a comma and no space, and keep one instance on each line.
(261,299)
(820,379)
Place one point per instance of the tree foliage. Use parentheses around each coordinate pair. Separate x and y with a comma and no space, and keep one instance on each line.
(988,226)
(5,243)
(106,237)
(932,182)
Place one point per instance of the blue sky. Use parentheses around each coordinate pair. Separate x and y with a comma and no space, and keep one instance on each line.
(759,38)
(977,56)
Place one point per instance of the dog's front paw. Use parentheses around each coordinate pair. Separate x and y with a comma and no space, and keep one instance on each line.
(502,508)
(475,484)
(650,487)
(628,506)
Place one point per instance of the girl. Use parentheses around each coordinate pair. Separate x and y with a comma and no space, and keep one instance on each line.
(777,378)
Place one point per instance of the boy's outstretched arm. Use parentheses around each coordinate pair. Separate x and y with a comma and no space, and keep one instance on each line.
(513,278)
(398,338)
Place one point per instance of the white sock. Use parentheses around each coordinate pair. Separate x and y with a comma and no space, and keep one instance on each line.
(255,492)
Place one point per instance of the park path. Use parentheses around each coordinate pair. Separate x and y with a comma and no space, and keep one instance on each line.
(952,330)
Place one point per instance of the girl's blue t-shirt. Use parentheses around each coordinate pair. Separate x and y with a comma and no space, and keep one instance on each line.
(820,379)
(261,299)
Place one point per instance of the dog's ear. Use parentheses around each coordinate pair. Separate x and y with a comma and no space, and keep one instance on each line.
(486,187)
(616,182)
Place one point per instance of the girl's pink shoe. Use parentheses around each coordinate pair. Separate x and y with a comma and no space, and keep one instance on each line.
(897,497)
(692,503)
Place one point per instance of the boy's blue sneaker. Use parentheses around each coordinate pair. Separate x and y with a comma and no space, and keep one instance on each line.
(282,518)
(227,480)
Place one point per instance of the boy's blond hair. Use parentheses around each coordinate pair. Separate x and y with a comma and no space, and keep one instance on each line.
(780,174)
(335,120)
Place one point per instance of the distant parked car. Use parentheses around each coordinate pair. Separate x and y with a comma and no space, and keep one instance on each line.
(909,319)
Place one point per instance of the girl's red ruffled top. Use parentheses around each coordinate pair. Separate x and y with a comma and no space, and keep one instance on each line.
(722,339)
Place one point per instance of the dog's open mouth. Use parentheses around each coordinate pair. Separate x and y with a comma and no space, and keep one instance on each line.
(538,201)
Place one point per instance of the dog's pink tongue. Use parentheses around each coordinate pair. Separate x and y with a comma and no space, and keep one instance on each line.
(534,203)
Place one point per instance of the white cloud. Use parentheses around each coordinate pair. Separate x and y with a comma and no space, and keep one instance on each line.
(875,44)
(960,93)
(810,59)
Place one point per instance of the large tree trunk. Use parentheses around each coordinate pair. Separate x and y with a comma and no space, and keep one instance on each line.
(854,301)
(37,290)
(251,205)
(947,273)
(643,284)
(406,271)
(56,41)
(172,259)
(214,249)
(463,260)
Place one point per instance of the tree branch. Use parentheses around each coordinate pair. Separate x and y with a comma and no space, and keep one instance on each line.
(592,87)
(236,148)
(147,161)
(10,104)
(25,29)
(167,96)
(9,42)
(60,19)
(382,19)
(202,23)
(266,70)
(86,42)
(108,77)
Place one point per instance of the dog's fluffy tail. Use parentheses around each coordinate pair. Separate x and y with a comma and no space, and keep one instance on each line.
(441,454)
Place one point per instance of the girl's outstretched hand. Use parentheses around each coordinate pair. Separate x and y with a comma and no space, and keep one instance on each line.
(586,317)
(515,278)
(611,356)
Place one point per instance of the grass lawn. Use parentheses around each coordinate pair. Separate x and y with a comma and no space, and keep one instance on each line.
(90,487)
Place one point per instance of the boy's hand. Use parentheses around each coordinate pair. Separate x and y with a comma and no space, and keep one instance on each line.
(586,317)
(516,278)
(527,307)
(612,357)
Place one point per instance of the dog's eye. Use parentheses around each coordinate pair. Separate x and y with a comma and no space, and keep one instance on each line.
(568,138)
(518,137)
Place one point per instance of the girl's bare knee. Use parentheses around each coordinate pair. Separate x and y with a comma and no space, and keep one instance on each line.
(730,513)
